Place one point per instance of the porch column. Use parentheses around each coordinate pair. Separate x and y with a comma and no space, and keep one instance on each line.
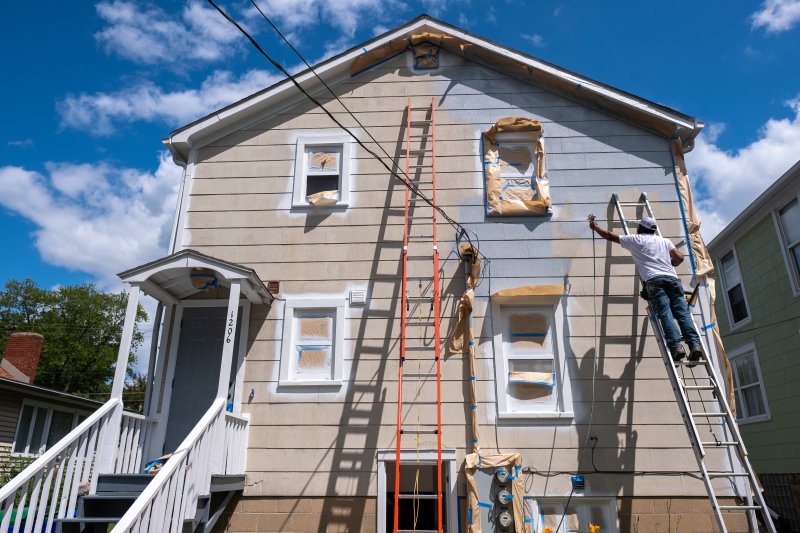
(229,338)
(125,343)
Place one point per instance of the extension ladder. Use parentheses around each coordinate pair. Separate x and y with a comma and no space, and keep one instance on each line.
(420,291)
(704,389)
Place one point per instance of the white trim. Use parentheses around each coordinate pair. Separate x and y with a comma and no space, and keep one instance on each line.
(418,457)
(228,341)
(238,388)
(286,354)
(299,183)
(724,282)
(125,342)
(792,270)
(183,203)
(563,408)
(609,502)
(740,352)
(15,372)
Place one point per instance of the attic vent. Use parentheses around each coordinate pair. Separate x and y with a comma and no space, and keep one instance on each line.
(358,297)
(426,56)
(274,287)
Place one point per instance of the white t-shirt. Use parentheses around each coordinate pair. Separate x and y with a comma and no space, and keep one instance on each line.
(650,254)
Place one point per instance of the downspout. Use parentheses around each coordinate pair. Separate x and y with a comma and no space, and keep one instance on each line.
(178,160)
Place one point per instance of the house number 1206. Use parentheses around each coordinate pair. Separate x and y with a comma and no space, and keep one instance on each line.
(230,328)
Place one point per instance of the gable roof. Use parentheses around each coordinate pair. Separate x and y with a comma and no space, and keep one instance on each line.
(639,111)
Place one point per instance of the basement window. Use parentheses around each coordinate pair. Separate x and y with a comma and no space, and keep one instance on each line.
(313,335)
(41,426)
(584,515)
(322,172)
(531,374)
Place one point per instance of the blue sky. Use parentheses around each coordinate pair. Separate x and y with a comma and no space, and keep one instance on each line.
(86,189)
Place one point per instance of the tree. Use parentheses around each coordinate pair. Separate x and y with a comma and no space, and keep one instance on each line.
(82,327)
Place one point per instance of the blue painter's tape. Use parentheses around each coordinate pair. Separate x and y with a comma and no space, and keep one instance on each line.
(709,326)
(474,407)
(364,50)
(472,378)
(472,343)
(469,515)
(475,439)
(486,505)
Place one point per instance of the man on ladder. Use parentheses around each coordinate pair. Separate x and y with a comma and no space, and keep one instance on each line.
(656,258)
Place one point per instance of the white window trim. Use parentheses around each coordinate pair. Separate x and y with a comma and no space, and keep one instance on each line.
(535,502)
(794,276)
(564,409)
(734,325)
(287,351)
(76,413)
(732,356)
(298,193)
(419,457)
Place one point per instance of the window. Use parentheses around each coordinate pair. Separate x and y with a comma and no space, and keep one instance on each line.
(322,172)
(41,426)
(313,334)
(788,218)
(582,515)
(751,400)
(738,310)
(529,368)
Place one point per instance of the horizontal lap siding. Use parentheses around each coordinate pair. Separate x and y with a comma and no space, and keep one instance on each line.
(240,210)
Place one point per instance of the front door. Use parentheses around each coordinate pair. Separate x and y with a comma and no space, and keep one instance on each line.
(197,368)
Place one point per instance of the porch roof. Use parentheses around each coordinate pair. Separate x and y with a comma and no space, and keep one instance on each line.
(168,279)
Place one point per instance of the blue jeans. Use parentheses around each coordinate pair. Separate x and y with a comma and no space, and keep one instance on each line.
(666,295)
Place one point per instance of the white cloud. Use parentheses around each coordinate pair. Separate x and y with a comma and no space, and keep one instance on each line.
(21,143)
(727,181)
(463,20)
(150,35)
(291,16)
(777,15)
(95,218)
(535,39)
(99,113)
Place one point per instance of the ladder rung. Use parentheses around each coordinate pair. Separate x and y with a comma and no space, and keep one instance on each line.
(428,108)
(420,257)
(423,278)
(420,166)
(630,204)
(699,387)
(410,496)
(419,322)
(414,123)
(739,507)
(421,136)
(686,362)
(419,348)
(418,375)
(709,415)
(728,474)
(420,151)
(419,431)
(721,443)
(424,298)
(415,237)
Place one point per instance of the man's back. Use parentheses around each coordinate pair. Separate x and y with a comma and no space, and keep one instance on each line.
(650,254)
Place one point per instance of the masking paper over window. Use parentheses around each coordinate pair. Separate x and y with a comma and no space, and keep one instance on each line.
(515,171)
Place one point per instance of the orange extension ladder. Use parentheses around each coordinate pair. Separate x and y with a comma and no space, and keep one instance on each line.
(422,351)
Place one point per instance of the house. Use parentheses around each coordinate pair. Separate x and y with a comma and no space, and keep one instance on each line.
(758,263)
(273,380)
(32,418)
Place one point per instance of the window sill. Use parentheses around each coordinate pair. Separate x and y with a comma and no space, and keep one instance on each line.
(738,325)
(753,420)
(544,415)
(309,207)
(310,383)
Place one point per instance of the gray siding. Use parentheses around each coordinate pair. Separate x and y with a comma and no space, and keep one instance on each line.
(314,442)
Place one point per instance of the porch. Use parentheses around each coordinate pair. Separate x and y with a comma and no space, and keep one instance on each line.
(94,477)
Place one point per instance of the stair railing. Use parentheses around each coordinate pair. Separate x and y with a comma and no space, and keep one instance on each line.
(48,488)
(216,445)
(133,433)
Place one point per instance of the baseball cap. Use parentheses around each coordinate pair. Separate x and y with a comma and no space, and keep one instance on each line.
(648,223)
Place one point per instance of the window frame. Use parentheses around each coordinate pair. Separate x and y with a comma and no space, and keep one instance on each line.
(535,504)
(37,406)
(563,409)
(792,268)
(304,142)
(293,305)
(733,325)
(741,352)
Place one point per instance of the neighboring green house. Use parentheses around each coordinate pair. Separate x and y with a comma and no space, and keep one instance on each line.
(757,258)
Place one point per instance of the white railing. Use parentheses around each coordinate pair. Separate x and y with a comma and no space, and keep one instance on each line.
(48,488)
(216,445)
(133,433)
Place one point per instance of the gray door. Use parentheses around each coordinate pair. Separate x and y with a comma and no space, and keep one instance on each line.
(194,386)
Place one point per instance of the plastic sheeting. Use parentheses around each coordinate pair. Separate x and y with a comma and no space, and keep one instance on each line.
(512,461)
(323,198)
(512,187)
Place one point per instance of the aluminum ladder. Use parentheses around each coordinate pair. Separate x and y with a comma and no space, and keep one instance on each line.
(420,305)
(703,390)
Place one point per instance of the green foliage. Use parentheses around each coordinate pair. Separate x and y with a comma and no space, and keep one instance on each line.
(12,466)
(82,327)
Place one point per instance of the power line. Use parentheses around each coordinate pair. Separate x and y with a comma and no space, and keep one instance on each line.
(404,180)
(748,330)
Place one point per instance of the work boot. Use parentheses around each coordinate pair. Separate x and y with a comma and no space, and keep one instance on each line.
(695,354)
(678,352)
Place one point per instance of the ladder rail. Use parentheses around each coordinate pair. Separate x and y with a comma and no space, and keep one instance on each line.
(731,435)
